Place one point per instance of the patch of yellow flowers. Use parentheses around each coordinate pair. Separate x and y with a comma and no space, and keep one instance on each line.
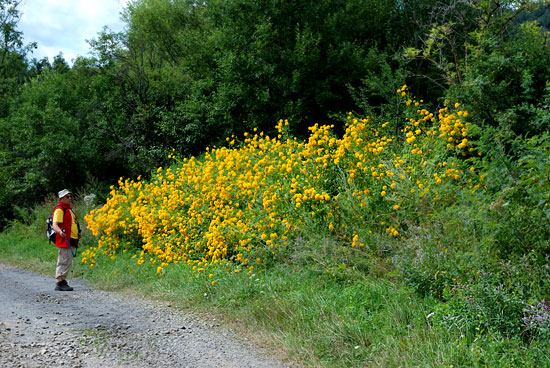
(238,206)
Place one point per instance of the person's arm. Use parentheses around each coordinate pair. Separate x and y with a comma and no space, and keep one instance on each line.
(58,229)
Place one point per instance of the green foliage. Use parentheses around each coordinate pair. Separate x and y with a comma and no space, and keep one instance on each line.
(191,74)
(13,65)
(541,16)
(151,72)
(506,84)
(185,75)
(296,60)
(64,113)
(488,259)
(474,53)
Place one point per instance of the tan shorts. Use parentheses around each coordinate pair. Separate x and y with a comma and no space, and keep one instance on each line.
(64,262)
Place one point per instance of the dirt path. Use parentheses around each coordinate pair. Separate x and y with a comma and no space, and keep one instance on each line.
(40,327)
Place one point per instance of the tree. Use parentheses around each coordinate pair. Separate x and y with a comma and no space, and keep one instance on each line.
(193,73)
(507,82)
(62,131)
(458,28)
(13,64)
(478,55)
(152,66)
(294,60)
(542,16)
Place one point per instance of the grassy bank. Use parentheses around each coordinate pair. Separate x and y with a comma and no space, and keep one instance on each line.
(417,241)
(311,314)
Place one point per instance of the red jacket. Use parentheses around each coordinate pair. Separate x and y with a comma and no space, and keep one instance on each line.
(66,225)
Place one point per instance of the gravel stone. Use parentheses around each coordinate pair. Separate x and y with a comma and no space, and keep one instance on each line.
(89,328)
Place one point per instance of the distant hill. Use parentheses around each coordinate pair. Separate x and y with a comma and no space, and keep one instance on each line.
(542,16)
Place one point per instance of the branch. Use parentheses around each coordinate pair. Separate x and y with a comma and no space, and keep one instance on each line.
(490,15)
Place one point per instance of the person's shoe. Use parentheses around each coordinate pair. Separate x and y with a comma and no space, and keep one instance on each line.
(63,286)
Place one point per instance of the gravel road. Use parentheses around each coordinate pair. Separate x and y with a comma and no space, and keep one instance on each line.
(40,327)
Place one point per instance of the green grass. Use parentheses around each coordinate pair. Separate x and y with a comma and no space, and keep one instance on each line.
(33,254)
(317,311)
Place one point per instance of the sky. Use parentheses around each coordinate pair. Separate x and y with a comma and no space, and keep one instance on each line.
(65,25)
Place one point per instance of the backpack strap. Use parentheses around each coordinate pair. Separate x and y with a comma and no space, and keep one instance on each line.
(59,206)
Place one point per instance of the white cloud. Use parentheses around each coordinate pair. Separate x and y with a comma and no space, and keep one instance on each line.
(65,25)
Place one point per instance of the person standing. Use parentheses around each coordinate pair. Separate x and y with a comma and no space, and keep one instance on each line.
(65,224)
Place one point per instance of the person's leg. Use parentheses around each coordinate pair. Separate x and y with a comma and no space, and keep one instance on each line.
(64,262)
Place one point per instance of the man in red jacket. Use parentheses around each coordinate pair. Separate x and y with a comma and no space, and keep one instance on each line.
(65,225)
